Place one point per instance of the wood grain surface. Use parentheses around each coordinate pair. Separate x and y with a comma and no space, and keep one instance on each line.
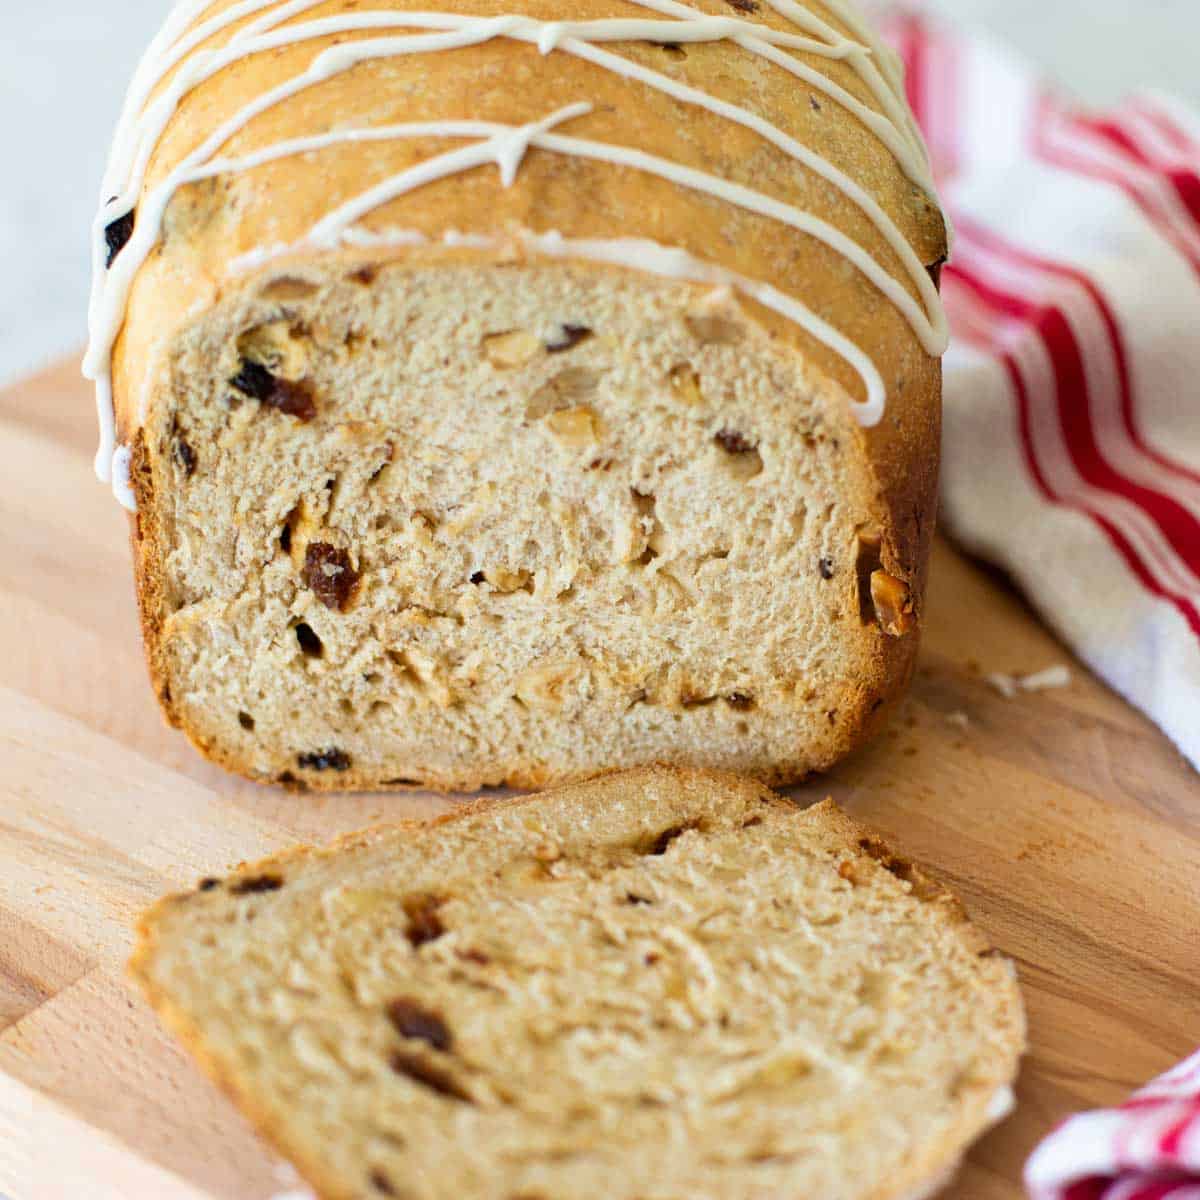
(1065,820)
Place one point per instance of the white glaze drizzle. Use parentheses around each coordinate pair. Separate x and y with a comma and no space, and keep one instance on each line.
(142,126)
(166,50)
(895,127)
(893,66)
(122,483)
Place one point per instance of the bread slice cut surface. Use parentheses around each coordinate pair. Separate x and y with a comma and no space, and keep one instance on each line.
(619,446)
(657,984)
(478,546)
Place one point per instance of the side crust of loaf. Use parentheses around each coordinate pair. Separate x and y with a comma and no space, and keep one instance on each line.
(857,856)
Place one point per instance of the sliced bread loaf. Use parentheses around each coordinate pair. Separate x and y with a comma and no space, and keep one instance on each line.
(623,452)
(657,984)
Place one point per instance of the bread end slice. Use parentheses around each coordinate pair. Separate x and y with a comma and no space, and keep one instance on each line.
(660,983)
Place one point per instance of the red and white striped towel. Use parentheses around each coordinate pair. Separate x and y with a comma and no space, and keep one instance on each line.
(1072,443)
(1148,1149)
(1072,433)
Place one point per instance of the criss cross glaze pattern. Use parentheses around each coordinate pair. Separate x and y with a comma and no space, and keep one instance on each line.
(174,66)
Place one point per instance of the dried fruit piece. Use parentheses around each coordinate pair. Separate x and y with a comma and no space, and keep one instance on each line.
(324,760)
(117,234)
(257,884)
(253,380)
(381,1183)
(740,701)
(744,461)
(424,924)
(411,1020)
(512,349)
(185,456)
(284,395)
(428,1074)
(893,604)
(825,566)
(330,575)
(733,442)
(743,6)
(570,337)
(294,399)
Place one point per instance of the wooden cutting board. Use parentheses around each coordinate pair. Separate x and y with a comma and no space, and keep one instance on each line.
(1065,820)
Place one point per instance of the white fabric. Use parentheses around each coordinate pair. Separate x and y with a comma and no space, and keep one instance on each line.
(1105,544)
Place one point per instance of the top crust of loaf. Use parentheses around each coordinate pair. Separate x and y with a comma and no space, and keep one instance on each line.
(209,225)
(888,936)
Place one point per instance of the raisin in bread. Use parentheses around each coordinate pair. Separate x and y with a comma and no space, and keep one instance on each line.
(508,398)
(659,983)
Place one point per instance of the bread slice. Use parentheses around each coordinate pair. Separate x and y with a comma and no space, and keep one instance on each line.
(657,984)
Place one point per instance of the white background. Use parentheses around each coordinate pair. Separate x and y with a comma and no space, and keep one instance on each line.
(64,65)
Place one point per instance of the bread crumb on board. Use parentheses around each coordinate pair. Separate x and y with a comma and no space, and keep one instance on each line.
(1010,686)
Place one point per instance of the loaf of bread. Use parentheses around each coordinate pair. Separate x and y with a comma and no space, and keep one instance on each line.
(505,397)
(660,983)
